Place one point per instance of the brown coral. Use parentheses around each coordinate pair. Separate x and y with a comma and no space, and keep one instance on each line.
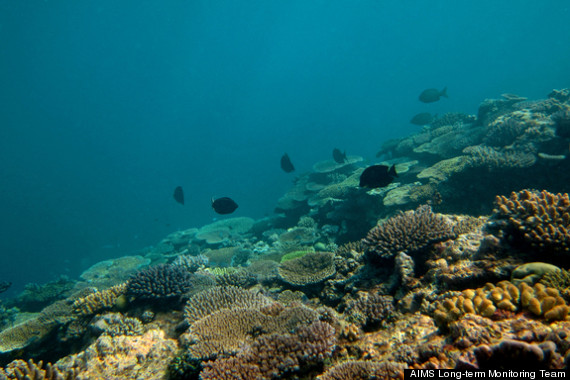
(214,299)
(99,300)
(312,268)
(408,232)
(540,220)
(505,297)
(19,369)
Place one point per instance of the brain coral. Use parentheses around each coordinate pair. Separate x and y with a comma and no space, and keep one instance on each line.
(540,220)
(312,268)
(159,282)
(408,232)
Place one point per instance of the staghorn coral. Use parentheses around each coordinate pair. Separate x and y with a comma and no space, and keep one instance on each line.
(99,300)
(364,370)
(22,370)
(35,297)
(370,310)
(312,268)
(408,232)
(159,282)
(214,299)
(276,355)
(539,300)
(452,118)
(539,220)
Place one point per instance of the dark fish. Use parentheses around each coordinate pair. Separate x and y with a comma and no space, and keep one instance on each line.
(339,157)
(422,118)
(4,285)
(377,176)
(224,205)
(179,195)
(432,95)
(286,164)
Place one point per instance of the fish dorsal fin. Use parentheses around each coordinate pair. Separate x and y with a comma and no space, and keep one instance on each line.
(392,171)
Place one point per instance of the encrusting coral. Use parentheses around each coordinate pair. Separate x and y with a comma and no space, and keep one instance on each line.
(540,220)
(408,232)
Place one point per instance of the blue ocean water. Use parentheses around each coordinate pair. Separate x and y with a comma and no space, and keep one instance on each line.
(106,106)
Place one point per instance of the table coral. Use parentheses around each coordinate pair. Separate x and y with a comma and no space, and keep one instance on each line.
(312,268)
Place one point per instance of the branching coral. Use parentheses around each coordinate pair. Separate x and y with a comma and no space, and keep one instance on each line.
(99,300)
(408,232)
(312,268)
(20,369)
(540,220)
(371,310)
(276,355)
(159,282)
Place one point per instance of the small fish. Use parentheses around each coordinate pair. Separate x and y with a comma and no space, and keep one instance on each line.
(339,157)
(422,118)
(224,205)
(377,176)
(179,195)
(432,95)
(286,164)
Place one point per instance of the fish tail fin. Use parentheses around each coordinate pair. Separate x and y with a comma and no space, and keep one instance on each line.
(392,171)
(444,92)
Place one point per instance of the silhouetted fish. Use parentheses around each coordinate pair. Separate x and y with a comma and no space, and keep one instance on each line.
(422,118)
(224,205)
(339,157)
(432,95)
(286,164)
(179,195)
(4,285)
(377,176)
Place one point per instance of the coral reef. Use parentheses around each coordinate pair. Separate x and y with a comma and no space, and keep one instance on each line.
(4,285)
(29,370)
(159,282)
(408,232)
(370,310)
